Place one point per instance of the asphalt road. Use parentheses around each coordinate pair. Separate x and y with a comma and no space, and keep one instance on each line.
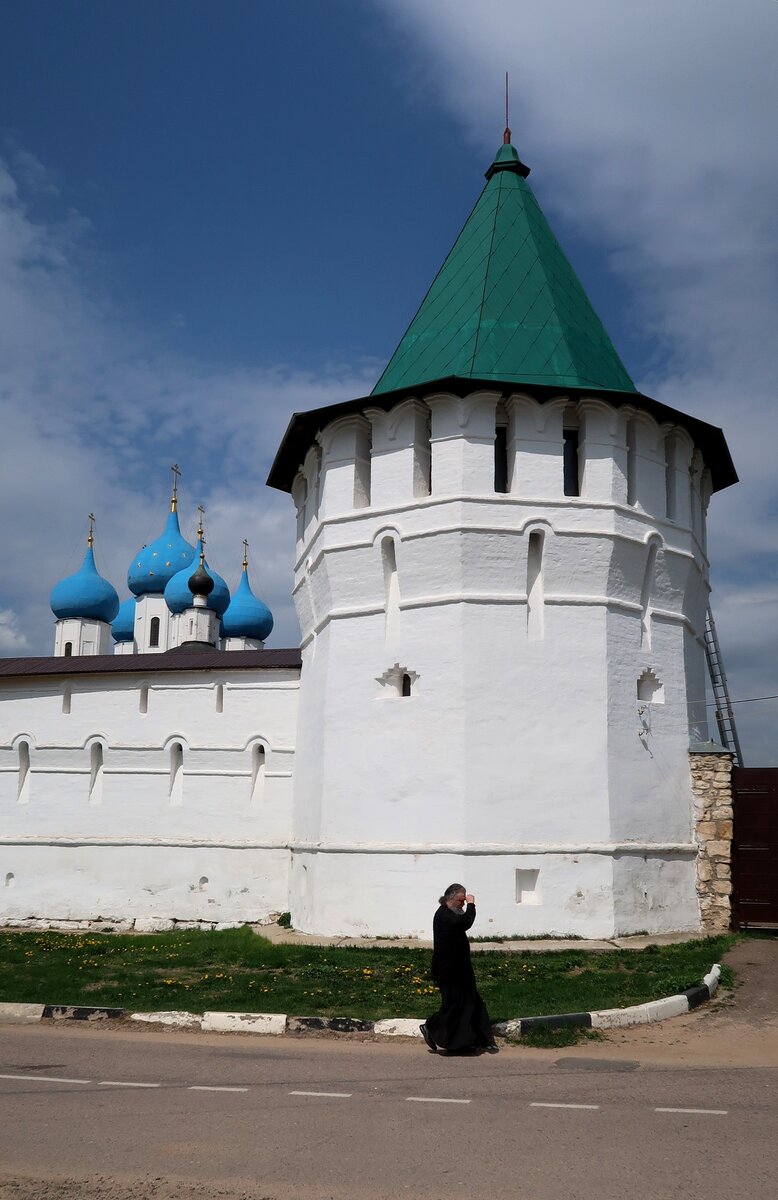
(119,1115)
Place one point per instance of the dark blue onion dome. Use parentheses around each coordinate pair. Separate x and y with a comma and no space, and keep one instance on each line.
(201,583)
(155,565)
(85,595)
(178,595)
(247,615)
(123,627)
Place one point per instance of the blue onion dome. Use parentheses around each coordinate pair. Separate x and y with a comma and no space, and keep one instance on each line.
(155,565)
(123,627)
(85,594)
(178,595)
(247,615)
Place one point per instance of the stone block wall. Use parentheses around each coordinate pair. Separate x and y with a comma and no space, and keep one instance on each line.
(712,789)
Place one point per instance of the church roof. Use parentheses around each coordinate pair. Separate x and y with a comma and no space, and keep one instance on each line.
(506,304)
(152,664)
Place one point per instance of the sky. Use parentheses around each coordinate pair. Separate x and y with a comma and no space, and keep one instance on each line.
(213,215)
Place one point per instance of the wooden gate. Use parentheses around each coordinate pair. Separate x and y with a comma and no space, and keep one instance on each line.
(755,846)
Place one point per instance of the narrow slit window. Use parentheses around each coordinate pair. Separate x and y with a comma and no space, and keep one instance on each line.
(671,500)
(257,773)
(220,697)
(391,585)
(631,463)
(23,786)
(422,459)
(67,693)
(143,699)
(535,599)
(96,773)
(154,632)
(406,685)
(645,598)
(501,458)
(176,788)
(572,483)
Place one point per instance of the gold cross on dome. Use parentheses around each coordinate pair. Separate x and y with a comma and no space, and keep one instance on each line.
(245,554)
(174,499)
(90,541)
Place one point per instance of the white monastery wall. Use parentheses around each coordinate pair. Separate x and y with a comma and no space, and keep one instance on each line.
(167,796)
(549,643)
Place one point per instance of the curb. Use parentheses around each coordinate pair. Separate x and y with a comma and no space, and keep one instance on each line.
(279,1023)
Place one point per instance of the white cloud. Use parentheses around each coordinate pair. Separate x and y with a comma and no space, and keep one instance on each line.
(650,129)
(12,640)
(94,412)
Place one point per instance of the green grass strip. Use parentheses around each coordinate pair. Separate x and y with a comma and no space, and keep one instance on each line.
(237,970)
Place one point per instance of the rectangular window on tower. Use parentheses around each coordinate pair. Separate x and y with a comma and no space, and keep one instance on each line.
(572,485)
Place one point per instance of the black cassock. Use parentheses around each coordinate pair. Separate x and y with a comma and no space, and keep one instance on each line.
(462,1021)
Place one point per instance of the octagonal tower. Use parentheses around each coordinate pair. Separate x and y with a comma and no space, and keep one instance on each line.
(501,581)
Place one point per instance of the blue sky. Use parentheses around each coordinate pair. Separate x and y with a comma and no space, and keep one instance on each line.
(212,215)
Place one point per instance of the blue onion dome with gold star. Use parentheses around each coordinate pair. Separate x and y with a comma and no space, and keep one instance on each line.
(85,595)
(247,615)
(123,626)
(155,565)
(178,595)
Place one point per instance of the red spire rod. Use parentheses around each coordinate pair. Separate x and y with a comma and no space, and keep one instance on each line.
(506,137)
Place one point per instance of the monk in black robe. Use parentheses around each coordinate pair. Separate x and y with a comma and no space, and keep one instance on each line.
(462,1022)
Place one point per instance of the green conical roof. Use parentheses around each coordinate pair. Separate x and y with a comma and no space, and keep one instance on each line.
(506,304)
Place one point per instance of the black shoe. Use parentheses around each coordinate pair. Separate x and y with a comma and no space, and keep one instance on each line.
(425,1033)
(492,1048)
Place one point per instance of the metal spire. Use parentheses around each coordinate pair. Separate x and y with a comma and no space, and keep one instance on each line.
(90,541)
(506,137)
(174,498)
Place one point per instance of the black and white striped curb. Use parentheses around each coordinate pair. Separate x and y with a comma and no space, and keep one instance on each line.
(279,1023)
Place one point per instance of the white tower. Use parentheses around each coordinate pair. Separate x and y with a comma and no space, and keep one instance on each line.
(501,582)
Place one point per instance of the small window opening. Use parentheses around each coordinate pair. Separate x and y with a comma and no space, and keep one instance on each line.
(202,885)
(257,773)
(501,458)
(422,459)
(96,773)
(406,685)
(220,697)
(671,500)
(10,879)
(535,599)
(645,598)
(68,649)
(143,700)
(572,484)
(391,586)
(176,789)
(67,692)
(23,787)
(650,689)
(631,463)
(527,887)
(154,632)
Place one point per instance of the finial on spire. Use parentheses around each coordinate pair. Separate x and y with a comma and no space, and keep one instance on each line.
(90,541)
(506,137)
(174,498)
(245,554)
(201,533)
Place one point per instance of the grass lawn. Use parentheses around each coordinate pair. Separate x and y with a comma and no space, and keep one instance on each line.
(236,970)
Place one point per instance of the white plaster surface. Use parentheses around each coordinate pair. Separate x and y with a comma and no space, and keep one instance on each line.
(20,1014)
(180,1020)
(226,1022)
(399,1027)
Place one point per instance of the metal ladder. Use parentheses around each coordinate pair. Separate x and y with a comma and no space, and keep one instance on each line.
(725,718)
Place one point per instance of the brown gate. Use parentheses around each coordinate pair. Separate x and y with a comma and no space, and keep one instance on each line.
(755,846)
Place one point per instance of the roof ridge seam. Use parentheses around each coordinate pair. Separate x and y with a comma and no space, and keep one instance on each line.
(477,339)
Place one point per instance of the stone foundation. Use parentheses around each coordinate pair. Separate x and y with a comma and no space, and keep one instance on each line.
(712,788)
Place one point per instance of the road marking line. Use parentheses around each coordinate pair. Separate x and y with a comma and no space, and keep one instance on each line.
(46,1078)
(124,1083)
(435,1100)
(714,1112)
(202,1087)
(338,1095)
(544,1104)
